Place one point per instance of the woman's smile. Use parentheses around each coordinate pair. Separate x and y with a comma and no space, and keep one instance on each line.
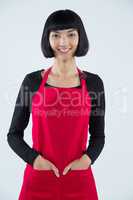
(64,51)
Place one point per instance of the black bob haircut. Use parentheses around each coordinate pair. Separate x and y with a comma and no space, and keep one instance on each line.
(64,19)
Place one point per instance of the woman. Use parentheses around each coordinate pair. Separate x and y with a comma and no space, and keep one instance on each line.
(64,102)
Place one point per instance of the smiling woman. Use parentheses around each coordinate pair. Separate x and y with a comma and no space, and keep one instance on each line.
(64,42)
(58,22)
(59,164)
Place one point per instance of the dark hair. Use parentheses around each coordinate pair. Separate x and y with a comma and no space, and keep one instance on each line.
(64,19)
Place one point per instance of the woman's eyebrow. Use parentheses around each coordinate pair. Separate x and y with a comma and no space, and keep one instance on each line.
(67,31)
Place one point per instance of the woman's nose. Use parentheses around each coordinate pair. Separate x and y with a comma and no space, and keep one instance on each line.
(63,41)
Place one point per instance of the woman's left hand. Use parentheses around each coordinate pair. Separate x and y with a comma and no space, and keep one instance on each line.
(82,163)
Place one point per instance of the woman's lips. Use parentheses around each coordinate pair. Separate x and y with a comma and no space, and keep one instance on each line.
(63,50)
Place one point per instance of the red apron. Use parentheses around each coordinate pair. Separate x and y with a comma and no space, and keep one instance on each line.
(60,120)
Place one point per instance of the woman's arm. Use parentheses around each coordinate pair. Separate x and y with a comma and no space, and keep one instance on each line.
(19,122)
(97,118)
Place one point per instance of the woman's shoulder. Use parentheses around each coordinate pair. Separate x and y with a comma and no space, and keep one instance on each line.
(33,79)
(35,74)
(91,75)
(93,80)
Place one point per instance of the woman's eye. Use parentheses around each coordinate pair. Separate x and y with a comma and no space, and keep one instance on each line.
(72,34)
(55,35)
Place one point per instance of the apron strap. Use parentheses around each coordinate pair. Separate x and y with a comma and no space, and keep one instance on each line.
(81,76)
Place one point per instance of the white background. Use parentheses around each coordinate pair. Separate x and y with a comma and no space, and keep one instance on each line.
(109,26)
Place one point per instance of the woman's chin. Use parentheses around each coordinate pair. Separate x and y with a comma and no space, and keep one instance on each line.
(64,56)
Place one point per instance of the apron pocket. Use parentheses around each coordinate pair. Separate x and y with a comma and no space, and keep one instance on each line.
(76,176)
(42,180)
(78,184)
(39,171)
(38,184)
(80,171)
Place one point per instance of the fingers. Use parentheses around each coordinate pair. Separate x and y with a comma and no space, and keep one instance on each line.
(66,169)
(55,169)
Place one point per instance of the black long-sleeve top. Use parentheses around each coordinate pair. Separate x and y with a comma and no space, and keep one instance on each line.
(22,110)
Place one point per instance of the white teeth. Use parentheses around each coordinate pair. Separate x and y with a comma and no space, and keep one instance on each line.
(64,50)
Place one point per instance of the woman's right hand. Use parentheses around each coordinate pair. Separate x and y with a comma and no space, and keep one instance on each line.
(40,163)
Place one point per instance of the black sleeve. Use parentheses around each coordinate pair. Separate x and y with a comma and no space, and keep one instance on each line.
(97,120)
(19,122)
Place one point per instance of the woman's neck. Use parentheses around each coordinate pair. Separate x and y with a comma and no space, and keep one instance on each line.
(64,69)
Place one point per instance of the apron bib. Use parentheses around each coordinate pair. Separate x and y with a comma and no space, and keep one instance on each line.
(60,122)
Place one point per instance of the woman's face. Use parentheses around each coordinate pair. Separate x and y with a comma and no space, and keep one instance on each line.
(64,42)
